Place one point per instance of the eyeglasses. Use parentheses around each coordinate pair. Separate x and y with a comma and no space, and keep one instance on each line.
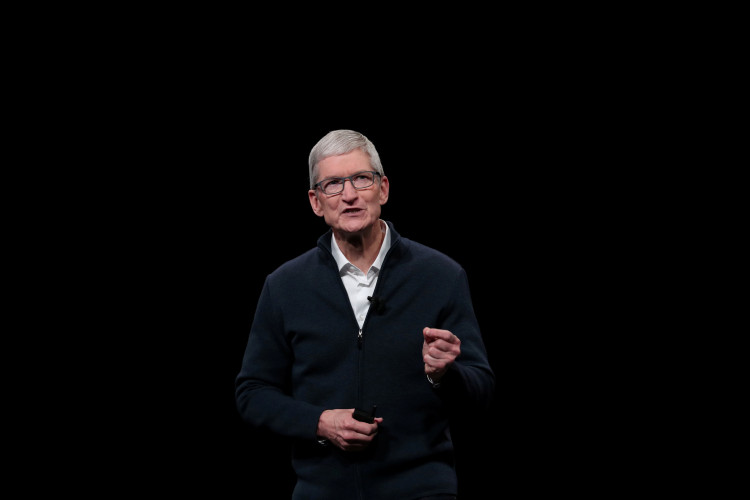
(334,185)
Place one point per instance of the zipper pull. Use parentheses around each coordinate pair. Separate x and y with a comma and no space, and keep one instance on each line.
(359,339)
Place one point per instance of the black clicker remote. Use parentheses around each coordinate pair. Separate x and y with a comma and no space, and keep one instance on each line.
(363,416)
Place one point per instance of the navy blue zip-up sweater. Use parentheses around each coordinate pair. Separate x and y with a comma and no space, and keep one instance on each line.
(305,354)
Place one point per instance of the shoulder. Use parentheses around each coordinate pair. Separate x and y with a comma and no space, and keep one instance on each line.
(301,263)
(413,251)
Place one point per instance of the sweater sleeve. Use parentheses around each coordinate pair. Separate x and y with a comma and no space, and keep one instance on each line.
(262,387)
(470,380)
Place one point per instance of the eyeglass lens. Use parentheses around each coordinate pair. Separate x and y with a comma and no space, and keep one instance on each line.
(360,180)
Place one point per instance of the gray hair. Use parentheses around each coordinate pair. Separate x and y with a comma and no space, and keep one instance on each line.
(339,142)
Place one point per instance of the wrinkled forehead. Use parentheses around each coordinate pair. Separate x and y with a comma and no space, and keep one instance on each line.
(344,165)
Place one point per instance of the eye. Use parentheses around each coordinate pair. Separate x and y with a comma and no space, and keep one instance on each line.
(331,183)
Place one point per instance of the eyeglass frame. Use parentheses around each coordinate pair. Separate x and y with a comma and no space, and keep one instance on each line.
(343,180)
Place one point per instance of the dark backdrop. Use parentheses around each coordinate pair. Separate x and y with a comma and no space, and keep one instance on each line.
(228,204)
(198,190)
(256,216)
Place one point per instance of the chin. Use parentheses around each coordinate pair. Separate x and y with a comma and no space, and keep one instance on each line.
(353,226)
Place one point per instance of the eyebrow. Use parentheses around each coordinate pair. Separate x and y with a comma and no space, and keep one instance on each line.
(345,176)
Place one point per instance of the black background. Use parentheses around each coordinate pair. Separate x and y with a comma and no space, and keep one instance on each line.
(255,215)
(219,200)
(183,152)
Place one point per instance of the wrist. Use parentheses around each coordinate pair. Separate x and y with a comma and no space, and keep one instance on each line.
(435,383)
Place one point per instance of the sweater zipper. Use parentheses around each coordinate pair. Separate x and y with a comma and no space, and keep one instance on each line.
(359,339)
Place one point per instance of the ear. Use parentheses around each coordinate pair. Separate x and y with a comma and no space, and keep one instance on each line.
(315,202)
(385,188)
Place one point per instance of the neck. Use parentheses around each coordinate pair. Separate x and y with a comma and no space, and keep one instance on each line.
(362,248)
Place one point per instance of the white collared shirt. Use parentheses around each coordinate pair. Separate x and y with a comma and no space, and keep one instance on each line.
(360,285)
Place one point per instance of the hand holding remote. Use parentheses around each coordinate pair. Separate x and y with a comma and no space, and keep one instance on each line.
(363,416)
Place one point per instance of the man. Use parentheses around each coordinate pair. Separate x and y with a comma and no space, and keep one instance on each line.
(361,348)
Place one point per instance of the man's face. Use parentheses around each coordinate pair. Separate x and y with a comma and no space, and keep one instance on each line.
(352,210)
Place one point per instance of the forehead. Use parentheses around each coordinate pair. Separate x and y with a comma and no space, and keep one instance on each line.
(344,165)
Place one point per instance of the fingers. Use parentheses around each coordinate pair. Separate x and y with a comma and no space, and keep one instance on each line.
(352,434)
(440,344)
(433,334)
(440,350)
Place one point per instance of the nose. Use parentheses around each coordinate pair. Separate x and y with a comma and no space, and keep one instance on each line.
(349,190)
